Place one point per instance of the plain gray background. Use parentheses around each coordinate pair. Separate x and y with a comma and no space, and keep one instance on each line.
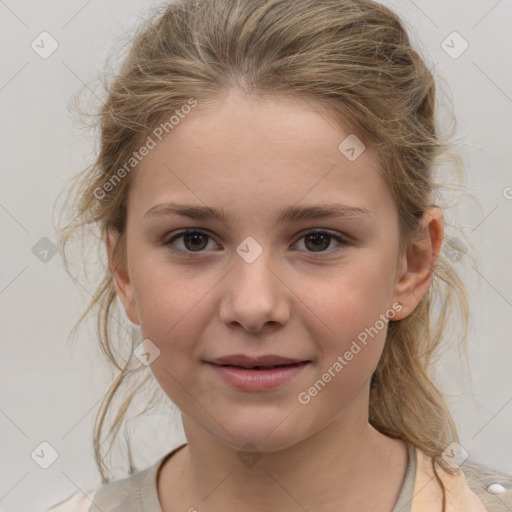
(50,391)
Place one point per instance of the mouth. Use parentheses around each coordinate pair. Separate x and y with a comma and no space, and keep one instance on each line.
(266,361)
(272,367)
(258,377)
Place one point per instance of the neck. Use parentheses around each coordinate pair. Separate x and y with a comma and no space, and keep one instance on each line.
(335,466)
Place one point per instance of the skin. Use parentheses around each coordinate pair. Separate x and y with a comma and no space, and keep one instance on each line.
(254,159)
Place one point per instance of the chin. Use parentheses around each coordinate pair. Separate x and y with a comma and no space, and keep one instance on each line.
(258,443)
(260,431)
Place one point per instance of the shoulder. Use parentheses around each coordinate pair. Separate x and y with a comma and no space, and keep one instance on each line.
(494,488)
(473,487)
(125,495)
(77,502)
(135,493)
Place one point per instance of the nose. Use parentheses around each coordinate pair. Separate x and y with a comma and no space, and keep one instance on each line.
(254,296)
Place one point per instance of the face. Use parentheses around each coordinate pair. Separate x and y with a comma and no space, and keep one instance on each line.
(306,288)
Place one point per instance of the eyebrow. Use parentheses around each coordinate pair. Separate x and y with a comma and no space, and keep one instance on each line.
(289,214)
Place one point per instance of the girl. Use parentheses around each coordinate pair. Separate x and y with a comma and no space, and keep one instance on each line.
(266,197)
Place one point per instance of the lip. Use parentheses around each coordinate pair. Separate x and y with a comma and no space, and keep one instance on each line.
(252,379)
(246,361)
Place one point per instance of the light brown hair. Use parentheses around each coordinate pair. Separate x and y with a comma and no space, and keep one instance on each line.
(355,58)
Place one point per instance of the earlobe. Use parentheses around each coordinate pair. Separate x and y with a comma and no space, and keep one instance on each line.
(416,272)
(121,278)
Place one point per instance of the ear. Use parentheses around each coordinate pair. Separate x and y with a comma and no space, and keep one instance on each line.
(121,277)
(415,272)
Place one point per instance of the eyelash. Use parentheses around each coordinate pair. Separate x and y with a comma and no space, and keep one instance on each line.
(191,254)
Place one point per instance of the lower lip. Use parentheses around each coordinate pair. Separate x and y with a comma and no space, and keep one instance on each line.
(257,380)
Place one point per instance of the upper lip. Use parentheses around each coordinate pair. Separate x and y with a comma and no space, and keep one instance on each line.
(250,362)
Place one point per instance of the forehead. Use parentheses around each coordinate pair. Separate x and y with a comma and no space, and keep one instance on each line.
(279,149)
(282,126)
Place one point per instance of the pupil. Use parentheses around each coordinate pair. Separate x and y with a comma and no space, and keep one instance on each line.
(317,237)
(193,236)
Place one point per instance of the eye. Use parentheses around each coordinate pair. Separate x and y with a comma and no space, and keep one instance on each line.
(317,241)
(192,240)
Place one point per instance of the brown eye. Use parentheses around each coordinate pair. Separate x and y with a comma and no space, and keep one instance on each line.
(319,241)
(193,241)
(316,243)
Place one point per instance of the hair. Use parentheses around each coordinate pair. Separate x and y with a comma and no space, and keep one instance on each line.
(355,60)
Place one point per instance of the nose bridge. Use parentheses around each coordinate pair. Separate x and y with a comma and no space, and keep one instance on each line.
(252,264)
(253,296)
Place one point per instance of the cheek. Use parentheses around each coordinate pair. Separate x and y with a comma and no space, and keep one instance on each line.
(174,320)
(172,317)
(351,316)
(175,309)
(170,312)
(166,294)
(349,354)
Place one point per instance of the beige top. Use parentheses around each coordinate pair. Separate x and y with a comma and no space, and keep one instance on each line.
(138,492)
(475,488)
